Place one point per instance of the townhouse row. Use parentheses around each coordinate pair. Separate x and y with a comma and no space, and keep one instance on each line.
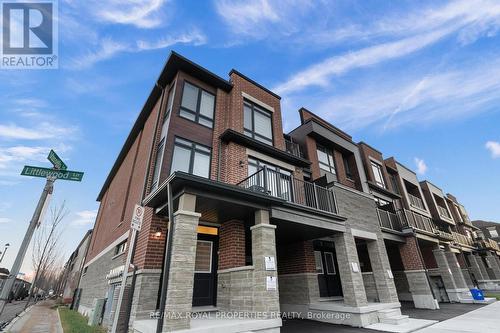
(242,218)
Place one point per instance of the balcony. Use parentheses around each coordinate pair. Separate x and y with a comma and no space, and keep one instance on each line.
(416,202)
(489,244)
(293,148)
(443,212)
(293,190)
(462,239)
(444,235)
(389,220)
(417,221)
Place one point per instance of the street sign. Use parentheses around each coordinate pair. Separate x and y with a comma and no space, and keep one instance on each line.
(137,217)
(56,161)
(46,172)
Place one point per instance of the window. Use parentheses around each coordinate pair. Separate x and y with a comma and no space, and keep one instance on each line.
(191,157)
(330,263)
(257,123)
(319,262)
(158,162)
(203,261)
(197,105)
(121,248)
(325,158)
(377,173)
(394,183)
(347,166)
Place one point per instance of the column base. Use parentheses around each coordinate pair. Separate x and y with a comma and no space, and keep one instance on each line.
(425,302)
(459,295)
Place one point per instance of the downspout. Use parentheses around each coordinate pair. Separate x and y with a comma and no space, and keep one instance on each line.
(166,262)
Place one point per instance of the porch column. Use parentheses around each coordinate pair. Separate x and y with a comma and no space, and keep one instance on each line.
(482,267)
(418,283)
(381,268)
(475,268)
(348,262)
(265,297)
(490,258)
(444,269)
(178,304)
(456,270)
(458,291)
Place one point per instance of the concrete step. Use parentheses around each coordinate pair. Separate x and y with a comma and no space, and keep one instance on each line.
(396,320)
(487,300)
(388,313)
(411,326)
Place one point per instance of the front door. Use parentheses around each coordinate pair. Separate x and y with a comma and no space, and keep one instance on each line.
(327,269)
(205,271)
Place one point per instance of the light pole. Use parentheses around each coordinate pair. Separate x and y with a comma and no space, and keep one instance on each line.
(4,251)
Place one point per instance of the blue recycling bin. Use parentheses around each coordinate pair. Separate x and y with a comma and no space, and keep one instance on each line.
(477,294)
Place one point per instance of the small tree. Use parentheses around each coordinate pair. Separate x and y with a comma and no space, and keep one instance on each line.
(46,254)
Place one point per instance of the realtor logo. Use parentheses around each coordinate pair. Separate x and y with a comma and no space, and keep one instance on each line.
(29,35)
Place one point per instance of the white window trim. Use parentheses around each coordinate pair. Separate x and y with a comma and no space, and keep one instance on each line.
(211,252)
(256,101)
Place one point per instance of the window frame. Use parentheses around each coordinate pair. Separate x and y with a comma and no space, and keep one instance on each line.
(318,255)
(257,108)
(377,166)
(122,246)
(347,167)
(193,149)
(330,254)
(332,156)
(159,163)
(211,256)
(197,114)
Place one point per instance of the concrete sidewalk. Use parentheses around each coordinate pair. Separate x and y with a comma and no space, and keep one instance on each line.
(41,318)
(483,320)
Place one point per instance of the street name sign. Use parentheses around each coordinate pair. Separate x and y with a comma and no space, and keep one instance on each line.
(56,160)
(137,217)
(46,172)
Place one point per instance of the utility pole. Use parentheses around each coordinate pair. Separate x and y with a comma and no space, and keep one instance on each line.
(42,203)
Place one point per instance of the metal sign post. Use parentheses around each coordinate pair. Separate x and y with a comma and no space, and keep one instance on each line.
(135,226)
(59,172)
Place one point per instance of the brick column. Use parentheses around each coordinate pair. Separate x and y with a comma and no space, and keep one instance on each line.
(179,301)
(386,288)
(476,268)
(352,282)
(264,245)
(415,274)
(452,276)
(492,261)
(444,269)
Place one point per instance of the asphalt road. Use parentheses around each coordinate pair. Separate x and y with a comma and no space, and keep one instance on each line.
(11,310)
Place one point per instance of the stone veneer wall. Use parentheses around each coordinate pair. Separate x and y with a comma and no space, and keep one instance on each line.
(235,289)
(370,287)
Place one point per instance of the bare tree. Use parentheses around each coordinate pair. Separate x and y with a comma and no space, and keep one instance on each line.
(46,255)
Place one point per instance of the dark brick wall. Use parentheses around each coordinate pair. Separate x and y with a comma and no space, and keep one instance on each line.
(231,244)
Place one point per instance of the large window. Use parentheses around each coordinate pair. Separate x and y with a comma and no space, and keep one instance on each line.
(191,157)
(197,105)
(377,173)
(325,158)
(257,123)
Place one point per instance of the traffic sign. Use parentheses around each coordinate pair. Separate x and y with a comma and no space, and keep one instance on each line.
(46,172)
(56,160)
(137,217)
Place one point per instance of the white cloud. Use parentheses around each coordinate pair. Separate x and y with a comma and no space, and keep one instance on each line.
(42,131)
(140,13)
(13,157)
(421,166)
(193,37)
(85,218)
(494,148)
(107,49)
(5,220)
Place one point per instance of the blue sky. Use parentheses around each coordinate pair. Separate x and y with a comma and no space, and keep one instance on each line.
(417,80)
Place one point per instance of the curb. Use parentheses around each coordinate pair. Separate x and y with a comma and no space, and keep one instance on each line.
(16,318)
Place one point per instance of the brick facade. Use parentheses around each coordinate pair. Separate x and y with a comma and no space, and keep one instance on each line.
(296,258)
(409,255)
(231,244)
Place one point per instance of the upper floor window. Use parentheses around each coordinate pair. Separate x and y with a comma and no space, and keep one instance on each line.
(325,159)
(257,123)
(158,162)
(121,248)
(191,157)
(377,174)
(347,167)
(394,183)
(197,105)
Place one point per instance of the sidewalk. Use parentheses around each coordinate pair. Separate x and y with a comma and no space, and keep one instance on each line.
(484,320)
(39,319)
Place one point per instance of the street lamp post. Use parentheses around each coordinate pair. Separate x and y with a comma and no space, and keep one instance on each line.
(4,251)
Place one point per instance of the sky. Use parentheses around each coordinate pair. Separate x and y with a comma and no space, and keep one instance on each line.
(418,80)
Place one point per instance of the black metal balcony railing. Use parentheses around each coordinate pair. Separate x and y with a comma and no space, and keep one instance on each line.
(416,202)
(389,220)
(293,148)
(294,190)
(417,221)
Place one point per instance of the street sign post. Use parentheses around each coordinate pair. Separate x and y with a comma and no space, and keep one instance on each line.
(56,161)
(58,172)
(135,226)
(33,171)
